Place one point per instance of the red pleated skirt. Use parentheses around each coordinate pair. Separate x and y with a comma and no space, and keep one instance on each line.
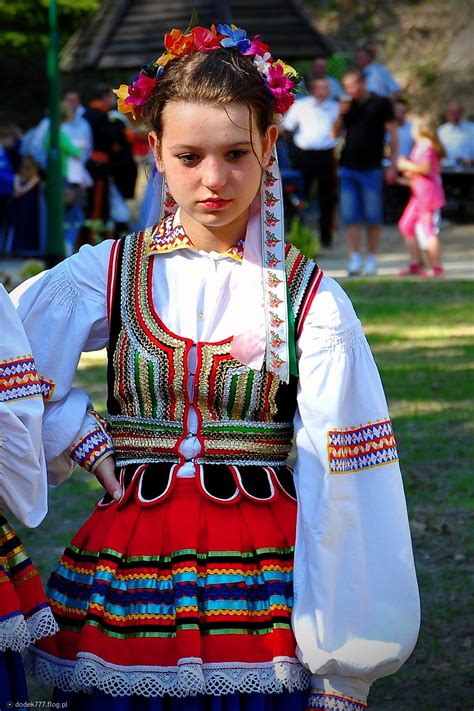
(182,597)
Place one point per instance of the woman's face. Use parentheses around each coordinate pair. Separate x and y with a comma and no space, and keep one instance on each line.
(213,163)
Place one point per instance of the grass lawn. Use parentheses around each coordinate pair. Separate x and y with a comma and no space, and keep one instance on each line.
(422,337)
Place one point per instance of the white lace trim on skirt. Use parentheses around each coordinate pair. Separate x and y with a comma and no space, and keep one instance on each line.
(191,677)
(17,633)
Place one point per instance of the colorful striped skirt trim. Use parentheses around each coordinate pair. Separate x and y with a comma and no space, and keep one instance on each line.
(182,598)
(25,615)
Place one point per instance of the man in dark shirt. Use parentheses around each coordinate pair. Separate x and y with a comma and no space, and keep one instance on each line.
(364,118)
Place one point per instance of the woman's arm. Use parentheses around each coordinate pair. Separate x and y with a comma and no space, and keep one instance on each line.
(356,613)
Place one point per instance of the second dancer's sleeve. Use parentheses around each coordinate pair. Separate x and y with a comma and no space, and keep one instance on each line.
(64,313)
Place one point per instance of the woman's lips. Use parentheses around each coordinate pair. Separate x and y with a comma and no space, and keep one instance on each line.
(215,203)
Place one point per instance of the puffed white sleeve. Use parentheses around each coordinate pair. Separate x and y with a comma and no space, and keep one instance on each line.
(23,487)
(356,612)
(64,313)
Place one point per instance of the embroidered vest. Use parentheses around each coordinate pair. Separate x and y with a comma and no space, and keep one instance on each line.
(245,417)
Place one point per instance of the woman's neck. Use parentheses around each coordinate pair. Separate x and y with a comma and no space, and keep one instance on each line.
(214,239)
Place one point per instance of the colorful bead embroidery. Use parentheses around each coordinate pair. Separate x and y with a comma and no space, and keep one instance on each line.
(236,406)
(333,702)
(91,449)
(19,379)
(169,238)
(359,448)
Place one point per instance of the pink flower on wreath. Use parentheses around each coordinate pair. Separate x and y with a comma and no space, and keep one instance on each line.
(280,86)
(140,91)
(206,40)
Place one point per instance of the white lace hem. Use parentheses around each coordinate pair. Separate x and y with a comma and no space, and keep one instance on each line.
(17,633)
(190,678)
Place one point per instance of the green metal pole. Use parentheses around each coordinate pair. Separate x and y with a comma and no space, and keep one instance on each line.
(54,182)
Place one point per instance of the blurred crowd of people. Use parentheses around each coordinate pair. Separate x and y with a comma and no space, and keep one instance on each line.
(100,154)
(340,144)
(348,139)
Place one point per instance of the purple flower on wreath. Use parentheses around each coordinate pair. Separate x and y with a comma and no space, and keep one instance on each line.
(234,37)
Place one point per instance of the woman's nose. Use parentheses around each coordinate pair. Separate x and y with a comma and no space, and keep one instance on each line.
(214,174)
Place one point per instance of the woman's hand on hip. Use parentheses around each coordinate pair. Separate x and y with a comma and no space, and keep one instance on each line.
(105,473)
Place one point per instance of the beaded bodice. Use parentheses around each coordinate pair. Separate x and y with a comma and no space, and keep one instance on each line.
(245,416)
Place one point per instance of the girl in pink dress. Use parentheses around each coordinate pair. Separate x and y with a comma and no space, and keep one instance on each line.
(418,224)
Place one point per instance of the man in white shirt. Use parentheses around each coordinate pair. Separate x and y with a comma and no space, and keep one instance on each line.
(378,77)
(457,135)
(319,70)
(310,120)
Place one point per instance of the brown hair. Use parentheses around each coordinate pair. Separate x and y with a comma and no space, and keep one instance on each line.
(426,128)
(220,77)
(354,72)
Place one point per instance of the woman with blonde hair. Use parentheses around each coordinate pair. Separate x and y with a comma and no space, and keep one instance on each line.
(419,222)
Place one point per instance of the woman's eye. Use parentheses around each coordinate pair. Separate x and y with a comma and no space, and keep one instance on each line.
(188,158)
(235,155)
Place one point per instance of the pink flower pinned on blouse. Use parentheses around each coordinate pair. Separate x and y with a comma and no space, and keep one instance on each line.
(140,91)
(206,40)
(280,86)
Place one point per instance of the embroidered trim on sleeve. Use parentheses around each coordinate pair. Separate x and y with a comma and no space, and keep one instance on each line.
(319,700)
(47,388)
(366,446)
(19,379)
(91,449)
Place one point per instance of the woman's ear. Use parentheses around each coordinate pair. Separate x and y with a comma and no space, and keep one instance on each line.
(155,146)
(269,140)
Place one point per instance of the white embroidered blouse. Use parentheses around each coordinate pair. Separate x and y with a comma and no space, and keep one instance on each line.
(356,612)
(23,484)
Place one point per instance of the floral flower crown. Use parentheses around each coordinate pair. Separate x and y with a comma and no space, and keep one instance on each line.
(279,78)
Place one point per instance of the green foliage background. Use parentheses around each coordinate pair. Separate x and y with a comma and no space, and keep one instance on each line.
(23,44)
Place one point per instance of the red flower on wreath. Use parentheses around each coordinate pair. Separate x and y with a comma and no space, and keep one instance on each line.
(206,40)
(178,44)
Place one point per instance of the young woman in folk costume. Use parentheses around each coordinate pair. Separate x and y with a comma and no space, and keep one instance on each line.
(25,615)
(184,589)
